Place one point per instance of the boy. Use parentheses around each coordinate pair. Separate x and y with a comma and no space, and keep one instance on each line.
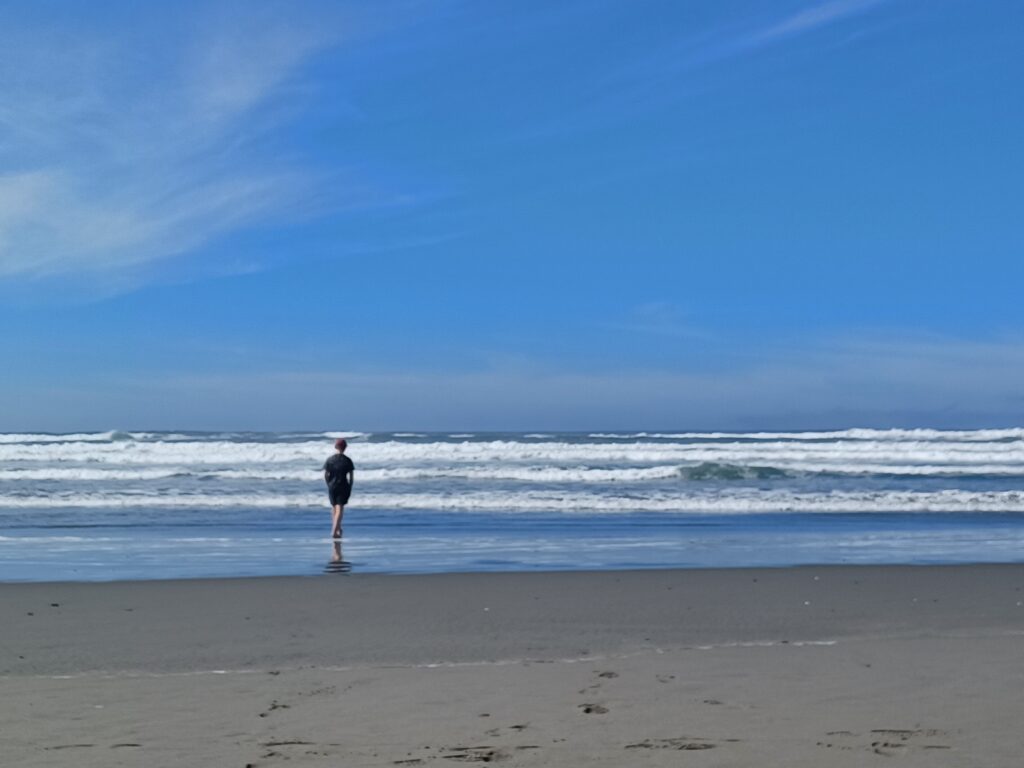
(339,473)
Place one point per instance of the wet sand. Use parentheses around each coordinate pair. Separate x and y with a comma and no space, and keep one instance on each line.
(838,666)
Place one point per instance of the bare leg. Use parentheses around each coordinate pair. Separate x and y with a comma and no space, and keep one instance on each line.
(336,512)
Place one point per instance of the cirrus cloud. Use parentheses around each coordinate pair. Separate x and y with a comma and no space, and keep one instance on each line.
(127,145)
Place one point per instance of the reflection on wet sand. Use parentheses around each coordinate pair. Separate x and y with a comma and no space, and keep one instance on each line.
(337,564)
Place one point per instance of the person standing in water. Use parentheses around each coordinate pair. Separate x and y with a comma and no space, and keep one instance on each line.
(339,473)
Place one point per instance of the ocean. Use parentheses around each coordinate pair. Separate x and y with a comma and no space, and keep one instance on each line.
(155,505)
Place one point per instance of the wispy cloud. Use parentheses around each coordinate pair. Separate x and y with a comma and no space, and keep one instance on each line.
(126,146)
(757,34)
(666,73)
(808,20)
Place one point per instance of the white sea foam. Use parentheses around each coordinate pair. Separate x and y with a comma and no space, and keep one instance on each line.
(738,501)
(535,474)
(751,501)
(522,474)
(558,474)
(947,435)
(863,456)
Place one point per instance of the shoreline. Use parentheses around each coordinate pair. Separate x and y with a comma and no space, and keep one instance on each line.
(254,622)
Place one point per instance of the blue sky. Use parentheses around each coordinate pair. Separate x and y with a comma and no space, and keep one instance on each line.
(529,215)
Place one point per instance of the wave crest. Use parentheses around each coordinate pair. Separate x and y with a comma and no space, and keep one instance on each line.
(713,470)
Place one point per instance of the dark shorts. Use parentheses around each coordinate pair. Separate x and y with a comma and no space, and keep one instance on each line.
(339,494)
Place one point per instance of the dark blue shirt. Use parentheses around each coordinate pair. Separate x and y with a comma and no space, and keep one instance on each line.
(337,468)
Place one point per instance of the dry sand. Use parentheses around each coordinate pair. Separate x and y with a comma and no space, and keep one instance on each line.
(776,667)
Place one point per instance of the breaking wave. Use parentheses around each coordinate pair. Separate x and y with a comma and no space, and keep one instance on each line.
(921,470)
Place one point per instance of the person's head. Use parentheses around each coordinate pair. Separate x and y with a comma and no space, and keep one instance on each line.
(340,445)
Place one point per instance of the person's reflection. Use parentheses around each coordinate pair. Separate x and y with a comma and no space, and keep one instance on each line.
(336,564)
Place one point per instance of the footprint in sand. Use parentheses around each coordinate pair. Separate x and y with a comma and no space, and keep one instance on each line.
(608,675)
(70,746)
(482,754)
(593,709)
(274,705)
(286,743)
(887,742)
(518,728)
(896,740)
(905,735)
(681,743)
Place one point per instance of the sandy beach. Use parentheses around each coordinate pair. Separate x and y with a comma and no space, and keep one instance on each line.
(838,666)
